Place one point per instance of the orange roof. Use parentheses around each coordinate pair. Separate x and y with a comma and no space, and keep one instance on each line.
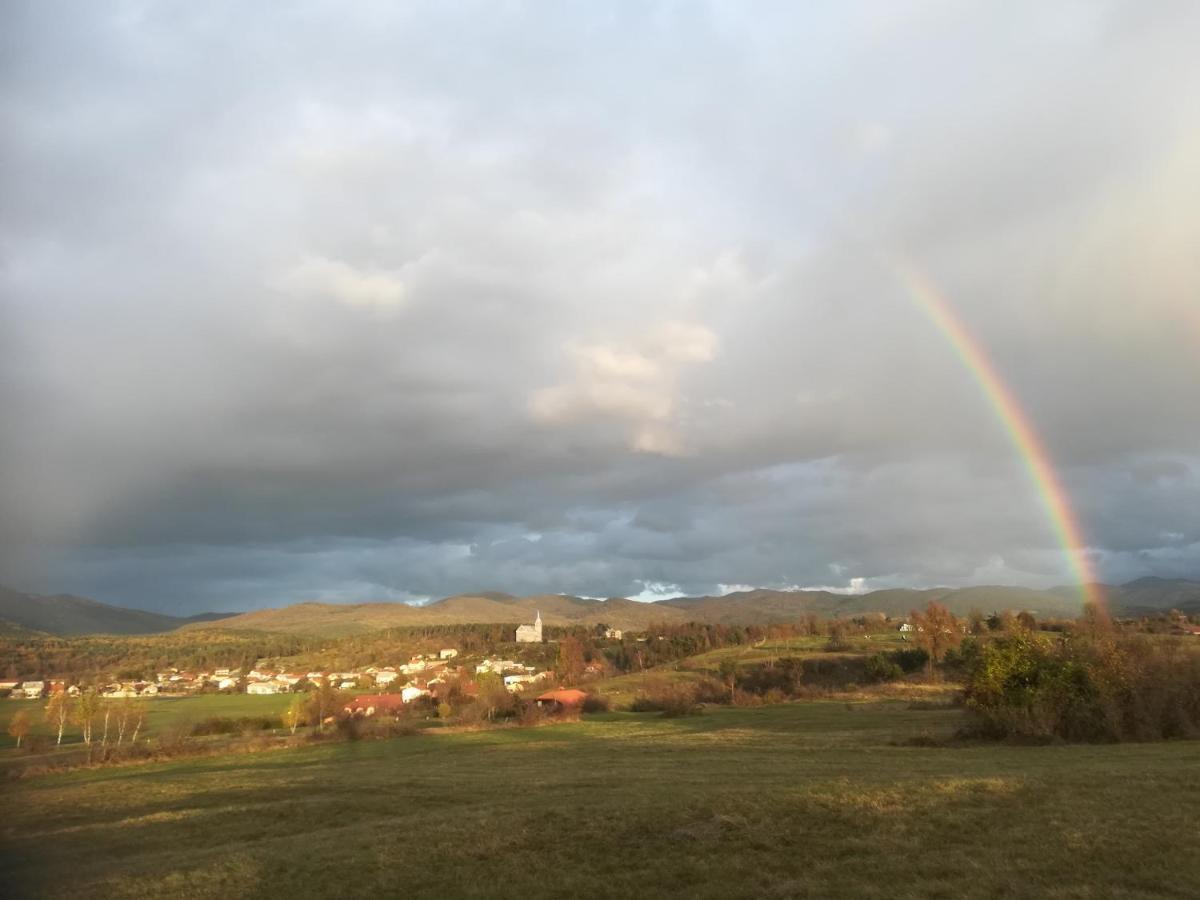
(569,697)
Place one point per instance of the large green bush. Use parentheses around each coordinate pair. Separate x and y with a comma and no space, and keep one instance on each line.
(1080,687)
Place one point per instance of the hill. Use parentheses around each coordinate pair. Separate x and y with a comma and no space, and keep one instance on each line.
(64,614)
(1147,596)
(757,607)
(336,620)
(764,607)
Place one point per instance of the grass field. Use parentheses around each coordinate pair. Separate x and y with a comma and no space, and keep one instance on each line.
(161,713)
(817,799)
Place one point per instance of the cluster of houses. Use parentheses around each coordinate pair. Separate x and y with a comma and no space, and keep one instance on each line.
(419,677)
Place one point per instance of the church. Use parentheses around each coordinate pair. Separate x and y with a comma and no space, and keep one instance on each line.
(530,634)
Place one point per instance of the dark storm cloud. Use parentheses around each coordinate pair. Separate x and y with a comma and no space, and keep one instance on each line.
(368,302)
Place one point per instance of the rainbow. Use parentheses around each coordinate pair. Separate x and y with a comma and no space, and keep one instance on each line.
(1020,429)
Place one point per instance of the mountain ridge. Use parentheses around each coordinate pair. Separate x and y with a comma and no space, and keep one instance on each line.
(64,614)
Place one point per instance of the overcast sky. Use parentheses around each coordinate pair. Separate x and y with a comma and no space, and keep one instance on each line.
(388,301)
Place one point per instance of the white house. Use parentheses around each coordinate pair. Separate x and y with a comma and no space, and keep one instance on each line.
(386,677)
(263,687)
(411,692)
(905,626)
(224,684)
(448,653)
(531,634)
(32,689)
(614,633)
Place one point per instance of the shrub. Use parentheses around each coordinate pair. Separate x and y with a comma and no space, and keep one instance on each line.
(882,667)
(227,725)
(1084,688)
(669,699)
(595,703)
(911,659)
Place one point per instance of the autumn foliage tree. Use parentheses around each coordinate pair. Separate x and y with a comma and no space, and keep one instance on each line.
(937,630)
(19,725)
(294,714)
(570,661)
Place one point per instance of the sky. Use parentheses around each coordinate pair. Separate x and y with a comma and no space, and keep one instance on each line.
(391,301)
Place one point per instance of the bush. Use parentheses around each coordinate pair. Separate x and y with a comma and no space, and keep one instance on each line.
(881,667)
(1084,688)
(227,725)
(912,659)
(595,703)
(669,699)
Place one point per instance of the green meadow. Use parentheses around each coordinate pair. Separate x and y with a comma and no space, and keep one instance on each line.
(811,799)
(162,713)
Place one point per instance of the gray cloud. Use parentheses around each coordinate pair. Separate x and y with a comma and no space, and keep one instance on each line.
(392,303)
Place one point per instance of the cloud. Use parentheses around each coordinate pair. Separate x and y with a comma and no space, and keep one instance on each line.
(345,303)
(321,277)
(636,384)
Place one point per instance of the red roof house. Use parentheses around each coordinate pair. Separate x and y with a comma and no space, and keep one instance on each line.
(569,698)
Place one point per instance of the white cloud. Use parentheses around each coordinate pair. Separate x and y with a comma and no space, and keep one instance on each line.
(636,381)
(320,276)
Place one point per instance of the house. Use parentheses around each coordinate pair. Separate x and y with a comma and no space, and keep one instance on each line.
(448,653)
(371,704)
(226,683)
(569,698)
(263,687)
(148,690)
(496,665)
(8,685)
(32,690)
(516,683)
(411,692)
(386,677)
(613,633)
(905,627)
(531,634)
(1185,628)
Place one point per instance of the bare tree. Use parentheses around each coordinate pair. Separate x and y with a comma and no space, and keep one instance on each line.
(58,712)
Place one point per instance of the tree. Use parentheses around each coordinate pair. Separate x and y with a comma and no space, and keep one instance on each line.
(86,708)
(322,703)
(493,695)
(1026,620)
(936,631)
(19,725)
(976,622)
(570,661)
(294,714)
(59,712)
(728,669)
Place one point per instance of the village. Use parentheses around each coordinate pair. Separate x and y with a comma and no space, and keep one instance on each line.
(371,687)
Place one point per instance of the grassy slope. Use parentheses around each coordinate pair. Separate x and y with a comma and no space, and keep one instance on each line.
(795,800)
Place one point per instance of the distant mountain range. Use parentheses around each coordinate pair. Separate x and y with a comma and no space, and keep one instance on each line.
(64,614)
(67,615)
